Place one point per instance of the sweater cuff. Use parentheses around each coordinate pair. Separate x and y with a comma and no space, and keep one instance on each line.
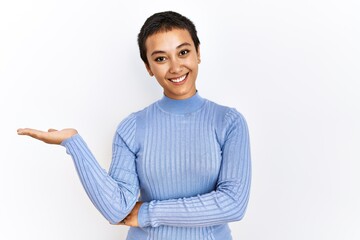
(143,215)
(70,140)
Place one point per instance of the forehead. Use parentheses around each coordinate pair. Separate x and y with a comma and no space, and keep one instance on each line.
(168,40)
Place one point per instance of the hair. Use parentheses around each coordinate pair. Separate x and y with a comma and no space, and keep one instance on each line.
(163,22)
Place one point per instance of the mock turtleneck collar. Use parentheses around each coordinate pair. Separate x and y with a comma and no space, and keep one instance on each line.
(183,106)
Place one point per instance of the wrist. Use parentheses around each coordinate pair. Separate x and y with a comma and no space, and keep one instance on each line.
(143,215)
(70,138)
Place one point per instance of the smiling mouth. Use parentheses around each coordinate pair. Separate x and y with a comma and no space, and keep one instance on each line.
(179,79)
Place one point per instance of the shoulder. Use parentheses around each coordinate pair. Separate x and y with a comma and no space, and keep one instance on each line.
(128,126)
(127,123)
(132,118)
(229,120)
(226,114)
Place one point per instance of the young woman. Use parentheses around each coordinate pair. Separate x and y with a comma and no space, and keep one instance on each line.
(181,167)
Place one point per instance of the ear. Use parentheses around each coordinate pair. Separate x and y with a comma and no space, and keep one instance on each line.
(149,69)
(198,54)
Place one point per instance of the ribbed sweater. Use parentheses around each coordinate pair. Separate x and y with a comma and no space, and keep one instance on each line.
(187,160)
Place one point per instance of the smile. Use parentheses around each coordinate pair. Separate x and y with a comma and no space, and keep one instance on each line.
(178,80)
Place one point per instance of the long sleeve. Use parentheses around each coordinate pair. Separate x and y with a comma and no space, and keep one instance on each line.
(227,202)
(115,193)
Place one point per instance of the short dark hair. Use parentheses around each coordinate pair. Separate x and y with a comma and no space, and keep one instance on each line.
(163,22)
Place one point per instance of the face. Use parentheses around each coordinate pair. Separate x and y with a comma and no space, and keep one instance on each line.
(173,60)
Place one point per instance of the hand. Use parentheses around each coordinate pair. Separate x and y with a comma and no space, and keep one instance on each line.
(131,220)
(52,136)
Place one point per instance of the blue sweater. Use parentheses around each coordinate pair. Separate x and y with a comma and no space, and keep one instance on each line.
(187,160)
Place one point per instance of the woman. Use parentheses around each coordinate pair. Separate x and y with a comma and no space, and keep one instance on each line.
(181,167)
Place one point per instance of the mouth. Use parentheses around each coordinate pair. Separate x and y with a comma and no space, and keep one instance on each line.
(179,80)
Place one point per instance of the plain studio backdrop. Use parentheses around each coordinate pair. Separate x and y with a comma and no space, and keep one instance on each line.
(290,67)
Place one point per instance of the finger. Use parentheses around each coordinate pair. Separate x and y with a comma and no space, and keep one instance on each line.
(52,130)
(19,131)
(31,132)
(122,222)
(26,131)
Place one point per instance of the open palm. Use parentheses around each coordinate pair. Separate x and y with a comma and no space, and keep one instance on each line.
(52,136)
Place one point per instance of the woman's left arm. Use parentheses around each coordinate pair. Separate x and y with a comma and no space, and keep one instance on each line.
(226,203)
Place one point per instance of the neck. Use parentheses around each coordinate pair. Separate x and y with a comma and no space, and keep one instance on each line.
(183,106)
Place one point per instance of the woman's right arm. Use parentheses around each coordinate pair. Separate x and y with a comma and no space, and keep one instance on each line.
(115,193)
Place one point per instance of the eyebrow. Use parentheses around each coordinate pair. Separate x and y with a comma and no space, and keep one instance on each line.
(180,46)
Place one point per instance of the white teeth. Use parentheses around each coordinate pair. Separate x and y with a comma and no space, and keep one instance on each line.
(180,79)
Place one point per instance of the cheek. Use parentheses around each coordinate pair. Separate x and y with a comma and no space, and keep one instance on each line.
(192,62)
(160,70)
(161,82)
(159,74)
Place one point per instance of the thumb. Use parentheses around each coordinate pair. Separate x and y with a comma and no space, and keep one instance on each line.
(52,130)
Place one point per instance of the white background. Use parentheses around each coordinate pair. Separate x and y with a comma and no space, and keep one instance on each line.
(290,67)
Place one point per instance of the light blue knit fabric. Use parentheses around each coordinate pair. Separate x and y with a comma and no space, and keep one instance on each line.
(189,160)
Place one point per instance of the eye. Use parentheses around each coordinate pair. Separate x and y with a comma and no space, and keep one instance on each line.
(160,59)
(184,52)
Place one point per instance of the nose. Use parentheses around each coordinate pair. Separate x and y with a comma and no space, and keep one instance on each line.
(175,66)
